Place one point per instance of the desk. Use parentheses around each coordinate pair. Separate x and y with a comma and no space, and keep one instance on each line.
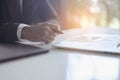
(61,64)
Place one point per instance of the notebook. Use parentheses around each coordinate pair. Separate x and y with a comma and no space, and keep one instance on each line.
(92,42)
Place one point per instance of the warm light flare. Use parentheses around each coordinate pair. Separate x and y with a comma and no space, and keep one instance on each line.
(84,21)
(80,18)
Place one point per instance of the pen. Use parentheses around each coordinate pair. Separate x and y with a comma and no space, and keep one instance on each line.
(118,45)
(59,32)
(55,30)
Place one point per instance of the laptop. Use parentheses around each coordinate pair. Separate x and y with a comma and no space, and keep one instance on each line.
(13,51)
(92,42)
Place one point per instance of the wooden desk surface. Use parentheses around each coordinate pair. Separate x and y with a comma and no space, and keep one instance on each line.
(64,64)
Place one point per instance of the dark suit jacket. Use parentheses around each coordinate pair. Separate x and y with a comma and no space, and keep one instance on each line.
(34,11)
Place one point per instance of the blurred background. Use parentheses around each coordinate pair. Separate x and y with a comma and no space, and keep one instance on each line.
(88,13)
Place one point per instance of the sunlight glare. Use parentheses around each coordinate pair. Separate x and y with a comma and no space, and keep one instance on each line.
(92,68)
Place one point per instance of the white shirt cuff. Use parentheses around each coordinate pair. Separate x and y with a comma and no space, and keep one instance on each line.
(20,27)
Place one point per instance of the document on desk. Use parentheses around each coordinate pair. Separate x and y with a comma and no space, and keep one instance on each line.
(106,43)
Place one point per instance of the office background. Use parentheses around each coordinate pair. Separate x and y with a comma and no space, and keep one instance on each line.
(88,13)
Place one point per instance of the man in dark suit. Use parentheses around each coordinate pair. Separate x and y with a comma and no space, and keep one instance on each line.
(27,19)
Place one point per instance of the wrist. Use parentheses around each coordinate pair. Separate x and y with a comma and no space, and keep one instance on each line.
(24,32)
(19,30)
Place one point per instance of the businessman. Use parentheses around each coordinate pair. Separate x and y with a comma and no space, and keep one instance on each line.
(33,20)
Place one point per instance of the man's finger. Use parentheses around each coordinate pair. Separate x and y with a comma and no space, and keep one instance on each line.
(51,32)
(55,28)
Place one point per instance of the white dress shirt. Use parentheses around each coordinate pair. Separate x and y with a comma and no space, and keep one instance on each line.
(21,2)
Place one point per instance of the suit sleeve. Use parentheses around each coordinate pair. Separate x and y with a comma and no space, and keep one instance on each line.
(8,32)
(44,11)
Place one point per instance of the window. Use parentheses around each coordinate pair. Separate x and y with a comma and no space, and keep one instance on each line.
(92,13)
